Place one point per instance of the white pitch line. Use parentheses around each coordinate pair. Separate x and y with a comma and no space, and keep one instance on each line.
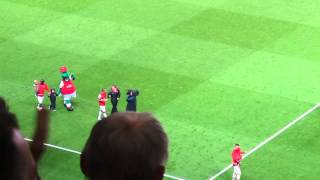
(268,139)
(173,177)
(78,152)
(58,147)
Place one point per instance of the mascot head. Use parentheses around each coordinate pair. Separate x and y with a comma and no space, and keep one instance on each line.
(63,69)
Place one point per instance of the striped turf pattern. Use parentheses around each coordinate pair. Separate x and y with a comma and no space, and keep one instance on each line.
(215,72)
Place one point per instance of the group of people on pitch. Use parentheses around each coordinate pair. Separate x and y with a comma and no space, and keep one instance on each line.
(114,94)
(67,89)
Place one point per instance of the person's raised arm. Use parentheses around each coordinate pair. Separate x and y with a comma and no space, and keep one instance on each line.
(40,136)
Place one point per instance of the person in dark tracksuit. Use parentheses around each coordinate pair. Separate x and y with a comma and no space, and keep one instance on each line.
(53,96)
(132,100)
(114,94)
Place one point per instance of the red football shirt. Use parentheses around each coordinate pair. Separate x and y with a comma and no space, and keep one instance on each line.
(67,87)
(42,88)
(102,95)
(236,155)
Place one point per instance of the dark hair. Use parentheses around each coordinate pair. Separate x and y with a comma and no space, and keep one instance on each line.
(8,150)
(237,144)
(134,92)
(125,146)
(3,105)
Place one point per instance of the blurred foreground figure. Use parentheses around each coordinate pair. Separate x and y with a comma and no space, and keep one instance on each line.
(125,146)
(18,160)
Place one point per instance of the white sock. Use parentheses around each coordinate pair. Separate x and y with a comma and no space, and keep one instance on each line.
(238,177)
(234,176)
(99,116)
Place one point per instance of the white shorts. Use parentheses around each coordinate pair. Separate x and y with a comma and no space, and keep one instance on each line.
(40,99)
(103,109)
(237,170)
(69,96)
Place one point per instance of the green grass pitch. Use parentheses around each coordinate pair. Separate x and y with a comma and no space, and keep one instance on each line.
(214,72)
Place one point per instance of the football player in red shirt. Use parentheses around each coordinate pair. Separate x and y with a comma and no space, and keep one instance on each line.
(41,89)
(236,158)
(102,99)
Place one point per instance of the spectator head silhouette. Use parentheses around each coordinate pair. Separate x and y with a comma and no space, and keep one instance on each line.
(126,146)
(18,159)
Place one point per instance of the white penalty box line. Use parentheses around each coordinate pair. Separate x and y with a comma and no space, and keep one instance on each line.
(78,152)
(268,139)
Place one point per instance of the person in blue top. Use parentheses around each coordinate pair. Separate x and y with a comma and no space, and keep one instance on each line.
(132,100)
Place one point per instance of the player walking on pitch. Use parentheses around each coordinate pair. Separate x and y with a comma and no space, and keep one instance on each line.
(236,158)
(102,99)
(114,94)
(41,89)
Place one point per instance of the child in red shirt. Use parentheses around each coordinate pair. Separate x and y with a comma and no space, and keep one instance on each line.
(41,89)
(102,99)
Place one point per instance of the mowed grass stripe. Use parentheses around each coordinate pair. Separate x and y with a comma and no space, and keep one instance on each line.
(303,43)
(39,62)
(142,54)
(103,49)
(170,53)
(182,55)
(309,31)
(248,16)
(156,15)
(239,104)
(277,75)
(110,46)
(235,29)
(70,6)
(18,19)
(208,125)
(86,36)
(290,156)
(302,12)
